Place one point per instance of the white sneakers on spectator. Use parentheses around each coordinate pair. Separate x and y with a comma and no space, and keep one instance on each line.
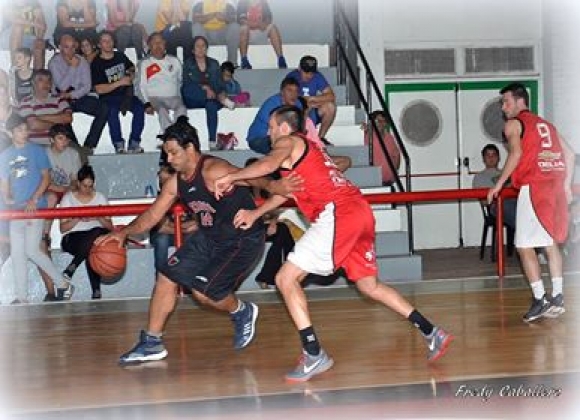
(229,104)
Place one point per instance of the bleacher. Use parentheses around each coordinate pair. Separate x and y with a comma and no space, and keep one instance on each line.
(123,178)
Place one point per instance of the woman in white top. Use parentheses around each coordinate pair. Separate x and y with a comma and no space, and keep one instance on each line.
(80,233)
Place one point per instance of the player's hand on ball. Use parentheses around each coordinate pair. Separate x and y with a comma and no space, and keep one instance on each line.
(244,219)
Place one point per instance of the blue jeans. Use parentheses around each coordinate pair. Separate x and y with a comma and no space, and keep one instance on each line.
(137,124)
(194,97)
(261,145)
(97,108)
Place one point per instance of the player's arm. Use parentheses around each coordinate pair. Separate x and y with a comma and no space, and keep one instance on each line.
(244,219)
(512,131)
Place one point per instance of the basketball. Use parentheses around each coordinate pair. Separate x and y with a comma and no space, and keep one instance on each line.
(108,259)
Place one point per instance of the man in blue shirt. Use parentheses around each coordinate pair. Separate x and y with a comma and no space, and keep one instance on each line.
(318,94)
(258,138)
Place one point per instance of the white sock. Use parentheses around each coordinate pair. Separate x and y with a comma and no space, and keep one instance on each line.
(538,289)
(557,286)
(240,307)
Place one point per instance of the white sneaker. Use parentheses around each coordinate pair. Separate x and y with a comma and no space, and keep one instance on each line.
(229,104)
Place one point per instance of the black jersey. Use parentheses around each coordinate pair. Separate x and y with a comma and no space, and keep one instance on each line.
(216,217)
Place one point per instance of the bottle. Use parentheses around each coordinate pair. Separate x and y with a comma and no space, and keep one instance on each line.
(149,191)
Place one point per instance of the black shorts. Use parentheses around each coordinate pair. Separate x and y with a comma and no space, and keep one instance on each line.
(214,268)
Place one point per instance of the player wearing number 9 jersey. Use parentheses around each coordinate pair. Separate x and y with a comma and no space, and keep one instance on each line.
(540,164)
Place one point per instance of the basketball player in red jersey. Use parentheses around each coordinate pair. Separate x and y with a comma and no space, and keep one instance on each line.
(540,164)
(342,234)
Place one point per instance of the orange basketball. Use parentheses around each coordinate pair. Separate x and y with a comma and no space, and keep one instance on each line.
(108,259)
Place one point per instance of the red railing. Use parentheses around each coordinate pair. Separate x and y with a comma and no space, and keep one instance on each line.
(381,198)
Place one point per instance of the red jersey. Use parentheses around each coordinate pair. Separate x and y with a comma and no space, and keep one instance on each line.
(543,168)
(323,182)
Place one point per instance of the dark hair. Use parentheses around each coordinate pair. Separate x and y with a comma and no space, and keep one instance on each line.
(153,35)
(85,172)
(228,66)
(197,38)
(182,132)
(105,32)
(41,72)
(90,39)
(24,51)
(291,115)
(289,81)
(14,120)
(57,129)
(518,90)
(489,146)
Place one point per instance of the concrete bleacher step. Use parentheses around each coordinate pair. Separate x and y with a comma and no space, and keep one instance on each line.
(364,176)
(391,243)
(400,268)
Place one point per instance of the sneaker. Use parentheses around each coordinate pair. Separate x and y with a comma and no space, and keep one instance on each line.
(148,348)
(309,365)
(556,307)
(282,62)
(229,104)
(438,343)
(66,291)
(246,64)
(120,148)
(244,325)
(135,150)
(49,297)
(213,145)
(538,308)
(96,295)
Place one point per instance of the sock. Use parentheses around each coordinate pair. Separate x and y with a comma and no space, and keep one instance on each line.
(154,334)
(538,289)
(420,322)
(310,341)
(557,286)
(241,307)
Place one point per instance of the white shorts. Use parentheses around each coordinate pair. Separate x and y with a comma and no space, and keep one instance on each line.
(529,231)
(314,250)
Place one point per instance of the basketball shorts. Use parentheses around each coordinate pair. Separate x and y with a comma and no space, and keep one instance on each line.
(341,236)
(529,231)
(213,267)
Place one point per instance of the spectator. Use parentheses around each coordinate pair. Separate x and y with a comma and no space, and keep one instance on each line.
(159,82)
(72,82)
(258,137)
(255,15)
(162,236)
(173,22)
(5,111)
(488,178)
(203,86)
(20,79)
(43,109)
(88,49)
(24,178)
(232,86)
(4,79)
(26,28)
(121,21)
(216,21)
(379,158)
(112,74)
(77,18)
(318,93)
(79,234)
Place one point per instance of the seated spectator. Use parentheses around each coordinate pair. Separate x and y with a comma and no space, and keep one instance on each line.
(72,82)
(20,79)
(255,15)
(88,49)
(112,74)
(488,179)
(121,21)
(24,178)
(26,27)
(79,234)
(216,21)
(158,83)
(318,93)
(203,86)
(379,158)
(43,109)
(4,79)
(173,22)
(258,138)
(77,18)
(232,86)
(162,236)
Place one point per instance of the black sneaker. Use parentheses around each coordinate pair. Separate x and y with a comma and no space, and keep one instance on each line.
(49,297)
(538,308)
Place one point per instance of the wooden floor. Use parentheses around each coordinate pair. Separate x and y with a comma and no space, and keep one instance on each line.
(60,360)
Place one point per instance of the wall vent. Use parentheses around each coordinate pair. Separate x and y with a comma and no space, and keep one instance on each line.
(420,62)
(499,60)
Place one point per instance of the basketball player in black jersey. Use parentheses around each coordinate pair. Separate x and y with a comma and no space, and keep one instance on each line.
(211,263)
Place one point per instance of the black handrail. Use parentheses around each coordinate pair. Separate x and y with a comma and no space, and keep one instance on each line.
(343,22)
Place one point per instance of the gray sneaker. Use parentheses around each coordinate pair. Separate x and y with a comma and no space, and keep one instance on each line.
(66,290)
(438,342)
(538,308)
(556,307)
(309,365)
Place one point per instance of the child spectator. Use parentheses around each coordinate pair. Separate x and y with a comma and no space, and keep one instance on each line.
(232,86)
(24,178)
(20,82)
